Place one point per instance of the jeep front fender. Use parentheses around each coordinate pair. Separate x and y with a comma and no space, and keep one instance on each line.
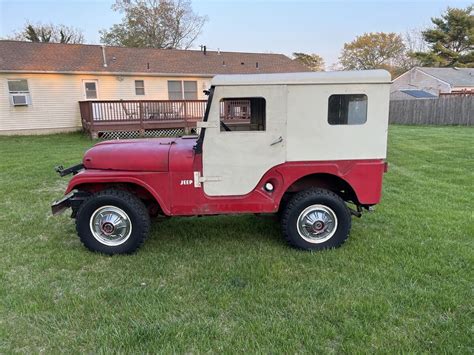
(156,183)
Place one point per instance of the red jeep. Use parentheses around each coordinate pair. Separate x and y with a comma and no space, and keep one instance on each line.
(303,145)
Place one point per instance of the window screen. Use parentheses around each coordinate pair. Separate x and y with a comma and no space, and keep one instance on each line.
(243,114)
(182,90)
(139,87)
(91,90)
(347,109)
(18,86)
(174,90)
(190,90)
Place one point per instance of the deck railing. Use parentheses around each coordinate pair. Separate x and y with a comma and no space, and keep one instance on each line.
(146,115)
(120,115)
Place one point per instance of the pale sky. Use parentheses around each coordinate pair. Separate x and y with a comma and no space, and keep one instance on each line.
(278,26)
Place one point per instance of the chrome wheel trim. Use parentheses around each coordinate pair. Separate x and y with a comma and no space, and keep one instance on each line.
(317,224)
(110,226)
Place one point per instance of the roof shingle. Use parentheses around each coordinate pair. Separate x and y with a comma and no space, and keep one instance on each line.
(454,76)
(56,57)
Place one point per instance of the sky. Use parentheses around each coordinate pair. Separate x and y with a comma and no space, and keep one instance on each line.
(277,26)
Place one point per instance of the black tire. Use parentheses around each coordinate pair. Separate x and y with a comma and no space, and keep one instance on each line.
(283,203)
(133,207)
(332,203)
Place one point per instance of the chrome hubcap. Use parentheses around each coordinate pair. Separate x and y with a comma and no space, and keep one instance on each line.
(317,223)
(110,225)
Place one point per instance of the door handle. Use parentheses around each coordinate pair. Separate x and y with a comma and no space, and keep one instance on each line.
(279,140)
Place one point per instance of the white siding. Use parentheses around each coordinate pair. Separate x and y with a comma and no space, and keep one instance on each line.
(416,79)
(54,99)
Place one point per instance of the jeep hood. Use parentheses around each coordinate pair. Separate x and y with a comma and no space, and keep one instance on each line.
(130,155)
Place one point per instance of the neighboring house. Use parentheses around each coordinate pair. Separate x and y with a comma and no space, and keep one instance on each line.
(422,83)
(42,83)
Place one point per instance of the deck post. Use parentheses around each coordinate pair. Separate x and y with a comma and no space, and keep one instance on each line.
(186,127)
(142,129)
(90,118)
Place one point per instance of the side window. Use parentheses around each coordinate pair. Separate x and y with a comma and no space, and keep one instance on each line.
(19,92)
(90,88)
(347,109)
(139,87)
(243,114)
(190,90)
(182,90)
(174,90)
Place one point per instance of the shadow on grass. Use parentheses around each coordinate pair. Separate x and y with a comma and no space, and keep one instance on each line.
(241,229)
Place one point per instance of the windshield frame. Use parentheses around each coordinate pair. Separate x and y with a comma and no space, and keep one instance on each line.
(200,140)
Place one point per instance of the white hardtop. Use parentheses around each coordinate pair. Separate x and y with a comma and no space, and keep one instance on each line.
(306,78)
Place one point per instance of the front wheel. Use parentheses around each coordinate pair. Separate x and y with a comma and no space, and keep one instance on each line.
(316,219)
(112,222)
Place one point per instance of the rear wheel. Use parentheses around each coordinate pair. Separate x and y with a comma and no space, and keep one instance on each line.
(112,222)
(316,219)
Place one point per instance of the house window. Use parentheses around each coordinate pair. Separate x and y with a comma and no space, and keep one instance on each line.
(190,90)
(243,114)
(19,92)
(182,90)
(90,88)
(139,87)
(347,109)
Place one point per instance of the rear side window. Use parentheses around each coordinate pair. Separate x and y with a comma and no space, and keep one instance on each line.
(347,109)
(243,114)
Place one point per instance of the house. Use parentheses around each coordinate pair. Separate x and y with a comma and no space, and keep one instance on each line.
(42,83)
(425,83)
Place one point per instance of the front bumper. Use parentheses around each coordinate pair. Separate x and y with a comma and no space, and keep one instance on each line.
(72,199)
(59,206)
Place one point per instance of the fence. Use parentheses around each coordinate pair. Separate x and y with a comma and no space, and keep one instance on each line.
(446,110)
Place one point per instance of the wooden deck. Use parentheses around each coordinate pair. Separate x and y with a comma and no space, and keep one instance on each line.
(123,116)
(101,117)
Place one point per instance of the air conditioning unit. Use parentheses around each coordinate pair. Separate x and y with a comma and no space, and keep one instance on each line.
(20,99)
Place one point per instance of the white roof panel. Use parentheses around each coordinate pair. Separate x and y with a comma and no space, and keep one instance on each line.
(336,77)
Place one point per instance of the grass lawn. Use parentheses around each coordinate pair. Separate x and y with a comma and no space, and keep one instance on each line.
(403,281)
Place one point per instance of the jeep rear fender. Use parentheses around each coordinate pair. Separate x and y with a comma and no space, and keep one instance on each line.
(97,180)
(362,177)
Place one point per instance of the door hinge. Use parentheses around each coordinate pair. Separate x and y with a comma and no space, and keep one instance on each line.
(198,179)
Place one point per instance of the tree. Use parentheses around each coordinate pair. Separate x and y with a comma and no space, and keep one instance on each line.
(49,33)
(154,24)
(312,61)
(414,42)
(451,41)
(374,51)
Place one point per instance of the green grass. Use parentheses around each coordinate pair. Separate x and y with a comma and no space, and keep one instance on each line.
(403,281)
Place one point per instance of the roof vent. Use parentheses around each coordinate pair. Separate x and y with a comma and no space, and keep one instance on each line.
(242,63)
(103,56)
